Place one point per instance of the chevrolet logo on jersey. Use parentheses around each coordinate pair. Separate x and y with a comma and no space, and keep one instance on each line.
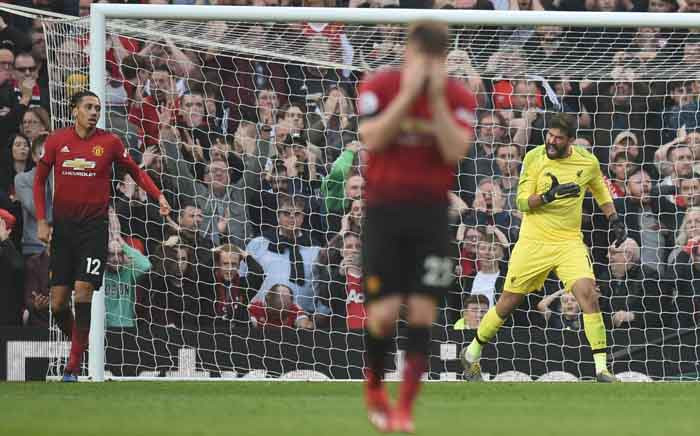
(79,164)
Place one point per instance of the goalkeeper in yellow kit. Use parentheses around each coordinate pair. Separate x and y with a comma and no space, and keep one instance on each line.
(553,182)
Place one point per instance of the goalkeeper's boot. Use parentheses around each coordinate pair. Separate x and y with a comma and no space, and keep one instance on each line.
(472,370)
(606,376)
(402,421)
(69,377)
(378,408)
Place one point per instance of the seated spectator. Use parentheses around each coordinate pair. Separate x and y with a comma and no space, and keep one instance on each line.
(11,269)
(171,294)
(235,289)
(338,282)
(35,121)
(125,266)
(278,309)
(474,309)
(287,255)
(468,236)
(567,316)
(632,293)
(36,289)
(26,82)
(489,276)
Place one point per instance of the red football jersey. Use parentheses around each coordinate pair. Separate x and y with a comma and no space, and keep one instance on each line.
(355,302)
(411,169)
(83,174)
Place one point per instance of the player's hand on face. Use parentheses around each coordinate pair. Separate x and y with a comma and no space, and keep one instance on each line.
(437,79)
(414,76)
(43,231)
(164,206)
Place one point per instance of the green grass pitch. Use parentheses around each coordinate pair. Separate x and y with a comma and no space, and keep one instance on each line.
(336,409)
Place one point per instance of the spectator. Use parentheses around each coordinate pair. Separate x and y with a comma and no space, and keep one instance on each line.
(508,160)
(338,282)
(24,184)
(26,82)
(16,160)
(278,309)
(489,276)
(287,255)
(631,292)
(125,266)
(136,71)
(138,214)
(35,121)
(490,130)
(688,232)
(157,111)
(640,212)
(235,289)
(475,307)
(341,186)
(169,294)
(618,168)
(488,209)
(566,317)
(468,236)
(36,289)
(11,269)
(223,206)
(336,127)
(10,110)
(302,170)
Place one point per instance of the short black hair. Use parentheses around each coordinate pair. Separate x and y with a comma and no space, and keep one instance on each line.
(78,97)
(563,122)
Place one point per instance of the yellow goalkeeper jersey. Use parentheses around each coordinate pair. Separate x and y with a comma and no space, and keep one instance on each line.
(559,220)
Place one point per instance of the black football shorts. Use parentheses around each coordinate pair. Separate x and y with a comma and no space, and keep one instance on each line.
(406,250)
(79,252)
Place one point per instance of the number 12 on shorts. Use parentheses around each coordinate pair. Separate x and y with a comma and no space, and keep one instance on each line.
(439,271)
(93,266)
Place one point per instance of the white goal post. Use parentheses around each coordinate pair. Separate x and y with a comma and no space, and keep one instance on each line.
(101,14)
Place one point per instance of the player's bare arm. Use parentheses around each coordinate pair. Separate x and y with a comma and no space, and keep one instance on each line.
(379,131)
(453,141)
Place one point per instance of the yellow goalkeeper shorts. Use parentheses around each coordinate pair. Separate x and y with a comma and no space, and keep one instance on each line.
(532,261)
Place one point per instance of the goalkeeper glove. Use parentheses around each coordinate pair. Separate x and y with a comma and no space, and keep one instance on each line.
(617,227)
(557,191)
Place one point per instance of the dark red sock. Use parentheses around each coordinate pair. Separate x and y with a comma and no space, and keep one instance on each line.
(80,337)
(413,371)
(64,322)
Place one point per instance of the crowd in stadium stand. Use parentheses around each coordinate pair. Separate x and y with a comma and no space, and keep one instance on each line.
(264,168)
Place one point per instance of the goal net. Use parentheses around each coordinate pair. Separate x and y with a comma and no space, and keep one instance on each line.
(250,130)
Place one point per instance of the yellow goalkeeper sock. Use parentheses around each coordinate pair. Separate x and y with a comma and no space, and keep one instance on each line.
(595,332)
(487,330)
